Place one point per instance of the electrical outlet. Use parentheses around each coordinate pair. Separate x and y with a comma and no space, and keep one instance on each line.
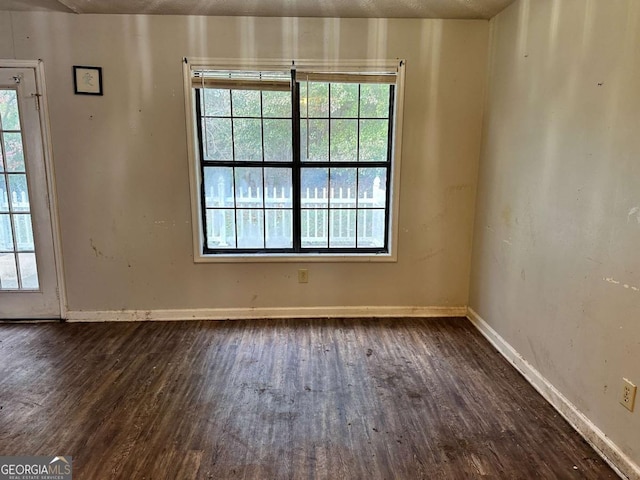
(628,398)
(303,275)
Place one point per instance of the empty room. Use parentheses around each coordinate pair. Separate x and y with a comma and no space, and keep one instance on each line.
(325,239)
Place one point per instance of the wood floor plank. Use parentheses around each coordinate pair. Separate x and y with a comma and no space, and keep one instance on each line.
(280,399)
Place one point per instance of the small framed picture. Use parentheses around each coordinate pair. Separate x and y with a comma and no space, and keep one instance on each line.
(87,80)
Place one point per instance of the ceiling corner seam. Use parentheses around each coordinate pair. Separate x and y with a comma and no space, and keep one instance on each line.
(70,6)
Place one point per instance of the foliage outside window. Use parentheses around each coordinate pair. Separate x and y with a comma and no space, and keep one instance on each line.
(294,162)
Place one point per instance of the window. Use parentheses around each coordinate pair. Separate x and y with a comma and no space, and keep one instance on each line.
(293,162)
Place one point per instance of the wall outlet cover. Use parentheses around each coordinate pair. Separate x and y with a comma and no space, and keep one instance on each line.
(628,398)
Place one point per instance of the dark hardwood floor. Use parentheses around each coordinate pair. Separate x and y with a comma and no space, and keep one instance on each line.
(279,399)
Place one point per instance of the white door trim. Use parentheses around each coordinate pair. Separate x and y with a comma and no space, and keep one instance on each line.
(38,66)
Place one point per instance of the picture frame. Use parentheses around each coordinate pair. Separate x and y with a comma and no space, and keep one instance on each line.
(87,80)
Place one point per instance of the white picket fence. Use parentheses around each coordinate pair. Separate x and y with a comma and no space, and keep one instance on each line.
(22,223)
(328,217)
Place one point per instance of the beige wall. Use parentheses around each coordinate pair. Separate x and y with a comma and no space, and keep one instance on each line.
(6,36)
(556,267)
(122,169)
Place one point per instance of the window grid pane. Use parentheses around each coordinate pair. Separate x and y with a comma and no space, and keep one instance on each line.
(8,272)
(28,270)
(13,151)
(9,112)
(6,234)
(221,228)
(279,224)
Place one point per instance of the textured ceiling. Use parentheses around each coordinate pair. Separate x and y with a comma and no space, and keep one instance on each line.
(33,5)
(275,8)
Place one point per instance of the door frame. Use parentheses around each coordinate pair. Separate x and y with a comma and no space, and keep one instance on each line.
(52,196)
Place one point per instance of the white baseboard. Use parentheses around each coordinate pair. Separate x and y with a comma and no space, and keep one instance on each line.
(248,313)
(609,451)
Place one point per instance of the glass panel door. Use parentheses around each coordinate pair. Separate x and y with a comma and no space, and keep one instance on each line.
(28,276)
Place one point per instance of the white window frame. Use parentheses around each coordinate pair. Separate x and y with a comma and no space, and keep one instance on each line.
(190,65)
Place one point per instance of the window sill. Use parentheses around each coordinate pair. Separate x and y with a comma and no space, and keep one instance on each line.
(298,258)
